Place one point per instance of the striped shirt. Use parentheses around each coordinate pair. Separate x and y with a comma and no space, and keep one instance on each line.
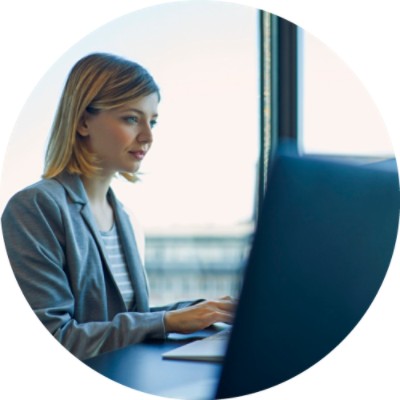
(116,259)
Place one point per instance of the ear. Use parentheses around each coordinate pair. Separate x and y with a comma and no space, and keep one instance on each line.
(83,127)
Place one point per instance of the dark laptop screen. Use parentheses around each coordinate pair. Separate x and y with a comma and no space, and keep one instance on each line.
(321,251)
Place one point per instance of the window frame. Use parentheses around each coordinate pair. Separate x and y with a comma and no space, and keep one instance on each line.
(283,125)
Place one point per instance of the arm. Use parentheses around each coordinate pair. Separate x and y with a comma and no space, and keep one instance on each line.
(34,234)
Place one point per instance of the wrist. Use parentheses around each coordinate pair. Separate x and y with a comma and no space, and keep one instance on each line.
(167,322)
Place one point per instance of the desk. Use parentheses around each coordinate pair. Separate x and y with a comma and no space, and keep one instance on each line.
(141,367)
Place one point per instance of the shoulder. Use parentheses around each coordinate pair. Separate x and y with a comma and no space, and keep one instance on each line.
(42,188)
(44,193)
(34,207)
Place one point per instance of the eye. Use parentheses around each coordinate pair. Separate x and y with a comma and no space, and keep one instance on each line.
(131,119)
(153,123)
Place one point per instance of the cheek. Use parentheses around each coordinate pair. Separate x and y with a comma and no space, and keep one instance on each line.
(99,142)
(109,140)
(123,136)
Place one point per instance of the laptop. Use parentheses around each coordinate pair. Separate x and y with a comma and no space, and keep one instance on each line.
(211,348)
(323,243)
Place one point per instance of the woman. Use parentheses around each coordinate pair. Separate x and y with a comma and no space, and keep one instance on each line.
(70,243)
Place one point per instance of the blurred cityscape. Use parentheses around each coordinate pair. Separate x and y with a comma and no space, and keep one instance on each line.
(196,262)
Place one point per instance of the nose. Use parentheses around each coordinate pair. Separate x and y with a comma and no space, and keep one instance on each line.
(146,134)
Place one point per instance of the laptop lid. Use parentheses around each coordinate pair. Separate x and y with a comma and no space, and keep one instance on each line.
(324,241)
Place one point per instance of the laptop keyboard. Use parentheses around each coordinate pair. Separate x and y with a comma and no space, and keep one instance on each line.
(223,335)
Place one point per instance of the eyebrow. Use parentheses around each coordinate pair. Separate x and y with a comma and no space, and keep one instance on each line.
(139,111)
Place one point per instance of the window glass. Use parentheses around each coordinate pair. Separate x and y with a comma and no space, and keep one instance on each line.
(196,197)
(337,114)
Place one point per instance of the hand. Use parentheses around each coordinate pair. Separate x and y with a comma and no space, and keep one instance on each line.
(200,316)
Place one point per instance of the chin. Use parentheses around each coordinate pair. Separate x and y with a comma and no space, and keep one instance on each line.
(129,170)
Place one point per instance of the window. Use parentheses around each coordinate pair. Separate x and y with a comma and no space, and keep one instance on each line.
(197,196)
(196,200)
(337,115)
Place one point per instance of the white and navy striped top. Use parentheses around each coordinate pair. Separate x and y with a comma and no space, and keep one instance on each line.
(116,258)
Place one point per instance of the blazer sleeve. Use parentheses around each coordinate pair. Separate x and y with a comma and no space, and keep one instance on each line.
(33,230)
(176,306)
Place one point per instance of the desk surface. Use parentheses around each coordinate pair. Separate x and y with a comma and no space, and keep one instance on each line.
(141,367)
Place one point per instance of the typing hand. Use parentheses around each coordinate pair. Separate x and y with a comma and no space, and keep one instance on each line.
(200,316)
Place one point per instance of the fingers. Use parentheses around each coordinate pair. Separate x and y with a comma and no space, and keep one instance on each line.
(201,315)
(229,298)
(226,303)
(221,310)
(225,317)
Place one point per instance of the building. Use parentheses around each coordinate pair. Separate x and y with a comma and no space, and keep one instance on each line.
(196,262)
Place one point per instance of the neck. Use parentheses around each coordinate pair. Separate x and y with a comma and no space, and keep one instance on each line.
(97,188)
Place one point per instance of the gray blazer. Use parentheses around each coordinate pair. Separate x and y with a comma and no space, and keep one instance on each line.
(58,258)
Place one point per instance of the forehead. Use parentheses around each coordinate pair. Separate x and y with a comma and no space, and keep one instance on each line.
(146,104)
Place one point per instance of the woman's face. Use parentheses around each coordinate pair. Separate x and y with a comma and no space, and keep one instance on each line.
(121,137)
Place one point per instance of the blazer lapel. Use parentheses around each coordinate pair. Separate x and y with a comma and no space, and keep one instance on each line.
(74,186)
(88,218)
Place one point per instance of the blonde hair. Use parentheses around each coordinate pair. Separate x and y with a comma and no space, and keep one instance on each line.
(99,81)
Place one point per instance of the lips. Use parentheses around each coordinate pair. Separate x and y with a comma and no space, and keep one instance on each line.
(138,154)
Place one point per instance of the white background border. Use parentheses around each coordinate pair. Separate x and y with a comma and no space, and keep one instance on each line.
(34,34)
